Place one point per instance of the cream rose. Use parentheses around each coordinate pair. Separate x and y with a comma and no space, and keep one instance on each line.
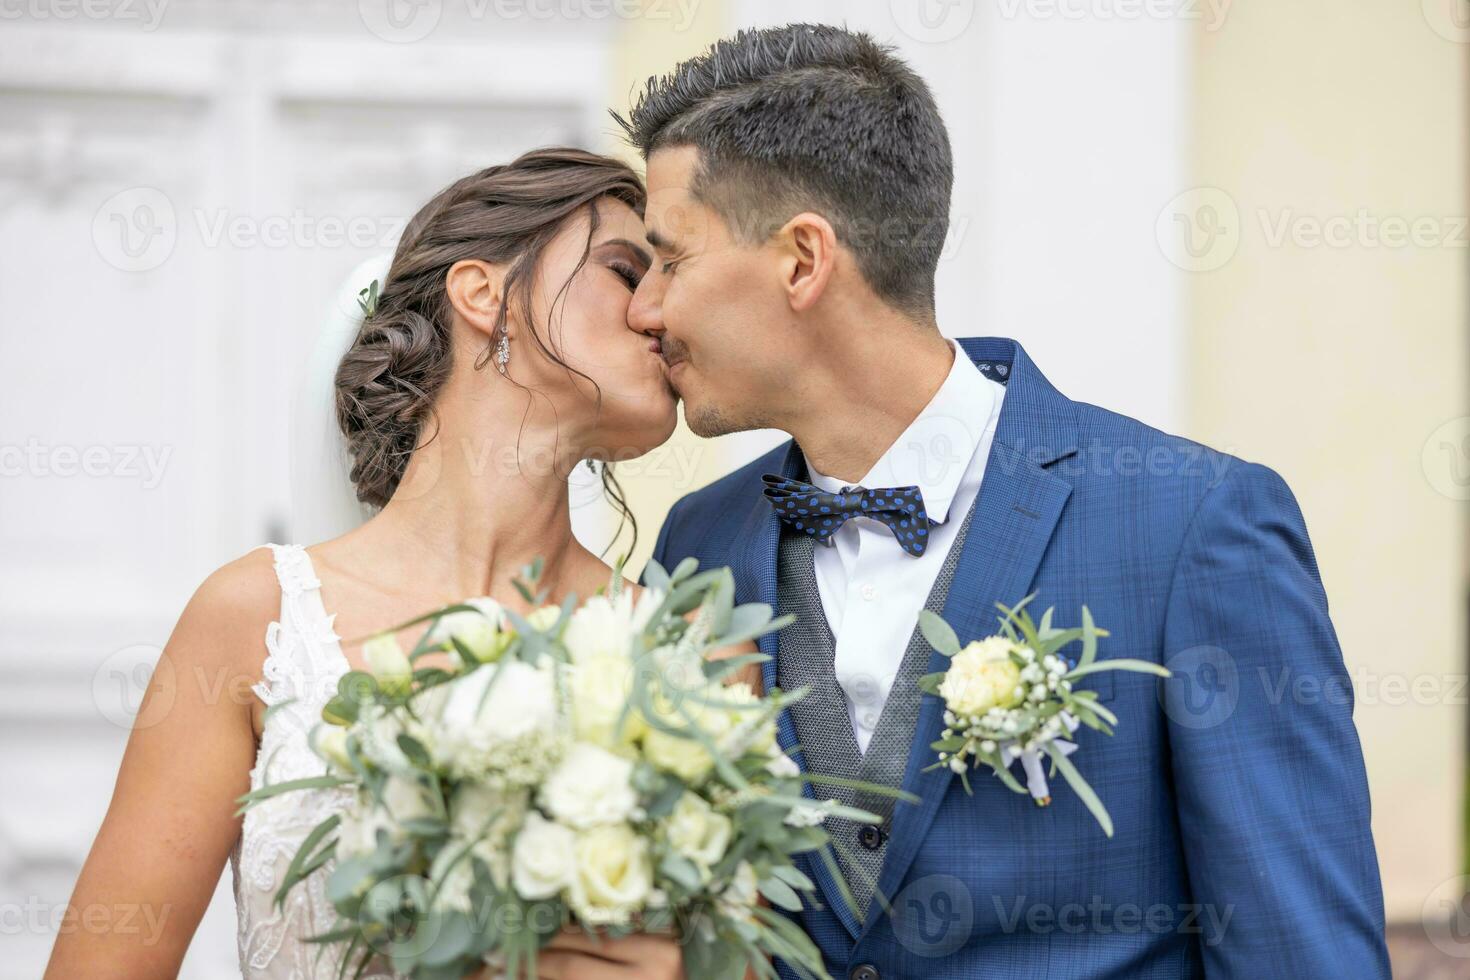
(684,755)
(614,875)
(695,831)
(980,677)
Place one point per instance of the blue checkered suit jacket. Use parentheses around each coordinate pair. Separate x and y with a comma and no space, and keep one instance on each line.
(1242,844)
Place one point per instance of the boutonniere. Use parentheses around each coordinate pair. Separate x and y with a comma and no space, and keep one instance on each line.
(1015,696)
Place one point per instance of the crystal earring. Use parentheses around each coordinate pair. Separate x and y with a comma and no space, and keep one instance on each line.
(502,351)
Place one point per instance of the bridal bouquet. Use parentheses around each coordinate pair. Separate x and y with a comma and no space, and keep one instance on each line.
(581,764)
(1011,696)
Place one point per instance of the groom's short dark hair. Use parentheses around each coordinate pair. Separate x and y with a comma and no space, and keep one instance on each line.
(811,117)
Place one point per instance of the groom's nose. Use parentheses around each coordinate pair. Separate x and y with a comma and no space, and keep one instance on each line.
(645,310)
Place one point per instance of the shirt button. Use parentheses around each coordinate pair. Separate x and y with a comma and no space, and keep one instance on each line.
(871,837)
(870,592)
(865,972)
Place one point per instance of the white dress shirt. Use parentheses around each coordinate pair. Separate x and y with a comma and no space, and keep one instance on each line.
(871,589)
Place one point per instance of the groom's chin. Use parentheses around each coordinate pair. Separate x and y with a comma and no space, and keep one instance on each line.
(707,421)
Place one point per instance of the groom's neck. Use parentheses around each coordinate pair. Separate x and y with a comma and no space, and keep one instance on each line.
(863,396)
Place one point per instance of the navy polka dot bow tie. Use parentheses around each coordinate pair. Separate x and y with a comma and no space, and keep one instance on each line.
(818,513)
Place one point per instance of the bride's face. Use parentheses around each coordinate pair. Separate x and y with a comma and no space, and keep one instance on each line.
(621,401)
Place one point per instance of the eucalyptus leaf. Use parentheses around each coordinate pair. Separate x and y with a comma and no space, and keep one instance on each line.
(941,635)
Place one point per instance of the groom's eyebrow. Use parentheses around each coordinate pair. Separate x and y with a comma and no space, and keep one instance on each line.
(659,242)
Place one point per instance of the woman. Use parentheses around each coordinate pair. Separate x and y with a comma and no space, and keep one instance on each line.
(498,357)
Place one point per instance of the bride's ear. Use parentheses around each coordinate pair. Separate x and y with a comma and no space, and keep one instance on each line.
(476,292)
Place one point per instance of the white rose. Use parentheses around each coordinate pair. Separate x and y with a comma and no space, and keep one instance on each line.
(600,686)
(545,618)
(748,730)
(695,831)
(982,676)
(473,731)
(456,878)
(782,766)
(330,742)
(590,786)
(357,833)
(614,875)
(743,890)
(377,731)
(604,626)
(482,632)
(543,861)
(387,662)
(480,812)
(406,799)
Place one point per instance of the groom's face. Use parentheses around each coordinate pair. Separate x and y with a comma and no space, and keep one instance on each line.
(715,302)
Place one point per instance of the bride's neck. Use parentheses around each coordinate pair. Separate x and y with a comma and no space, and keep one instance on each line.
(473,509)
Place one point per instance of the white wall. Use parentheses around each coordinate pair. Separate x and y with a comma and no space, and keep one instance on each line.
(179,201)
(1067,127)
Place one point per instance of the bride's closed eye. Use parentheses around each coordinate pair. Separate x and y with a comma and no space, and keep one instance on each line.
(626,271)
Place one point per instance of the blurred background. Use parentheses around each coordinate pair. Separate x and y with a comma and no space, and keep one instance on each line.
(1245,222)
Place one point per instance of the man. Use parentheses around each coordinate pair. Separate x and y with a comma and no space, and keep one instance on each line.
(799,183)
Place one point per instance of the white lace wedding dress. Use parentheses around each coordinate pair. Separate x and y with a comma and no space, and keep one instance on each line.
(303,664)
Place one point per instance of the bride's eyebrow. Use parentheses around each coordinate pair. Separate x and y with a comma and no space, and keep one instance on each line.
(639,251)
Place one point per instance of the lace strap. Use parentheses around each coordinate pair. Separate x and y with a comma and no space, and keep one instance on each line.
(302,646)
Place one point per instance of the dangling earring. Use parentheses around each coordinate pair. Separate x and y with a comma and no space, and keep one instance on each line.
(502,351)
(591,467)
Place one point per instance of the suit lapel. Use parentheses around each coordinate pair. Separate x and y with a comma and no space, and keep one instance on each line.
(1016,512)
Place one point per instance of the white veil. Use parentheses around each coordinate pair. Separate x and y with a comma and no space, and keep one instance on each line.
(323,502)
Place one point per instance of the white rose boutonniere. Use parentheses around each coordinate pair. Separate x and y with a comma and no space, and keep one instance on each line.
(1011,696)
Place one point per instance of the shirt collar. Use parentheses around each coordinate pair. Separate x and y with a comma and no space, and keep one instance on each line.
(935,451)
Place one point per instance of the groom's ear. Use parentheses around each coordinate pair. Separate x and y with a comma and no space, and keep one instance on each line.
(807,247)
(476,291)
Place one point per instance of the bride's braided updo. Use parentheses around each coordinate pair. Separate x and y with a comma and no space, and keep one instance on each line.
(389,379)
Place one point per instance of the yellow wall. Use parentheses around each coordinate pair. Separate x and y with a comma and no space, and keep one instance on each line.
(1335,364)
(644,47)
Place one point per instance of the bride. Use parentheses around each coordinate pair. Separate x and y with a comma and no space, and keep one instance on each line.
(498,357)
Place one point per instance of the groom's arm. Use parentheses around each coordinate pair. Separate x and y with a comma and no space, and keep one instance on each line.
(1271,791)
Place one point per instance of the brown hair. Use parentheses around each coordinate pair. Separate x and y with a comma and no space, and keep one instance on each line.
(389,379)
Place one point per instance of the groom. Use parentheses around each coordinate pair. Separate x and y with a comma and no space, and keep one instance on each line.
(799,182)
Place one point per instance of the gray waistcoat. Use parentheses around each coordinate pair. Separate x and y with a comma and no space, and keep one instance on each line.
(805,658)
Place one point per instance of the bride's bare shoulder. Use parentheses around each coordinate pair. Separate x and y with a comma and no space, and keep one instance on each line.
(232,608)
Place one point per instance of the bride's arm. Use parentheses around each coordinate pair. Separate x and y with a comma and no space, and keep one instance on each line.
(170,826)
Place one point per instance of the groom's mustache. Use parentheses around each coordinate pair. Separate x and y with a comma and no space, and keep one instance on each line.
(673,351)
